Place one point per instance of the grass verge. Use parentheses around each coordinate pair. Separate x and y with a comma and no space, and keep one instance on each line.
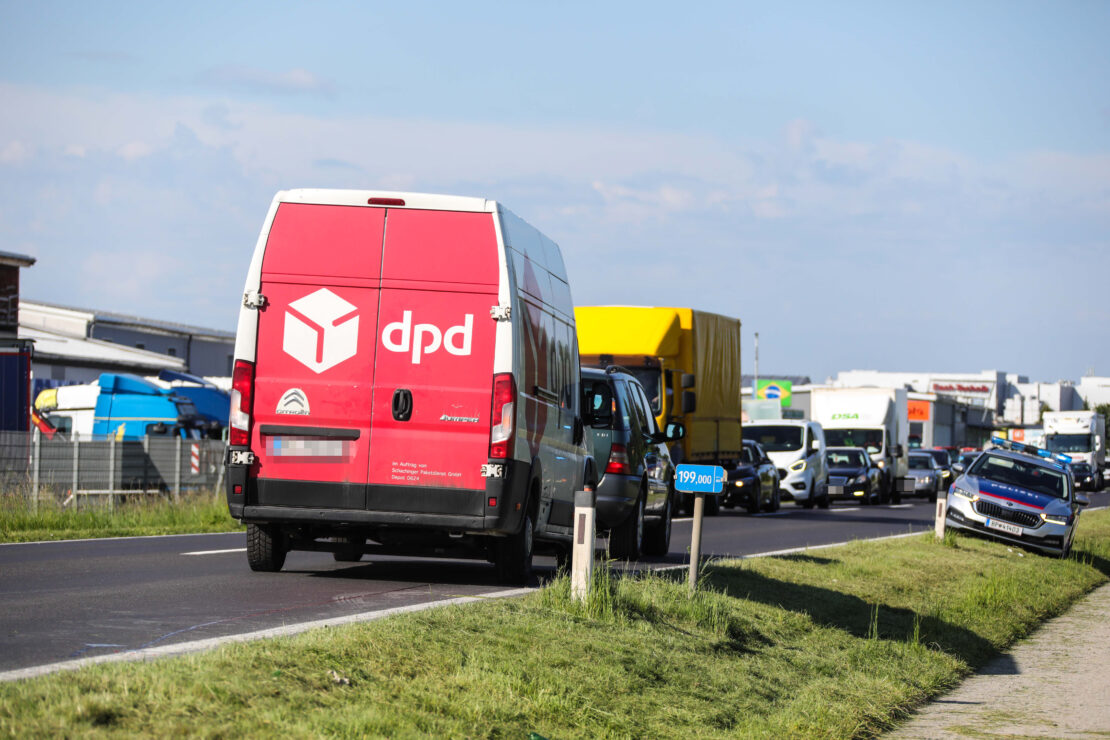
(194,513)
(841,643)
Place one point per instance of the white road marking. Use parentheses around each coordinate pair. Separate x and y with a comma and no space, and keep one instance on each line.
(900,506)
(130,537)
(215,552)
(289,629)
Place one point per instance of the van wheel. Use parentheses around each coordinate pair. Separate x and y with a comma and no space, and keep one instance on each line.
(626,540)
(512,555)
(351,551)
(657,536)
(266,548)
(823,502)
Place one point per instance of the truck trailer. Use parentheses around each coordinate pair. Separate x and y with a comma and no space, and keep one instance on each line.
(875,419)
(688,362)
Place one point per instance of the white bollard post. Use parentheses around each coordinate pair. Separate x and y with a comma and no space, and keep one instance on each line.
(942,503)
(585,536)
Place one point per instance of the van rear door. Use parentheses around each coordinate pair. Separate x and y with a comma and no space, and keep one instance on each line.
(317,339)
(434,370)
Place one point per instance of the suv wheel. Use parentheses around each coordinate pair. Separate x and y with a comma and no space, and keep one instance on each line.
(657,539)
(266,548)
(626,540)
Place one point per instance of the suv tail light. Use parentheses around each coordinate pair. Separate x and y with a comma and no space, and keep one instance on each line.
(242,402)
(618,461)
(502,421)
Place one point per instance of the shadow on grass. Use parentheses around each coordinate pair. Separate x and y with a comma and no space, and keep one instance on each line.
(854,615)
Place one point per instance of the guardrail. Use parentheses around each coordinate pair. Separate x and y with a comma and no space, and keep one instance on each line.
(68,468)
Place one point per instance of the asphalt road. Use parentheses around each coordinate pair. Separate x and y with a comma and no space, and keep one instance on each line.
(67,600)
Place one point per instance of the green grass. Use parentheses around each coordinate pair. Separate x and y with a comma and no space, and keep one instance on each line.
(834,643)
(195,512)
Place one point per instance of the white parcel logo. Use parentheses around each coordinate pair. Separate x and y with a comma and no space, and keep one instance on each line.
(399,336)
(321,330)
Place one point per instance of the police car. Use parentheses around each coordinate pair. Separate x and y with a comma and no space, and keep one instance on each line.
(1018,494)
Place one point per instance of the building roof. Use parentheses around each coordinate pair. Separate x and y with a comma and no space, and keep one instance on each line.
(17,260)
(121,319)
(54,347)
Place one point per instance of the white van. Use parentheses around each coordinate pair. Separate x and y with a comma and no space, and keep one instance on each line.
(406,380)
(797,448)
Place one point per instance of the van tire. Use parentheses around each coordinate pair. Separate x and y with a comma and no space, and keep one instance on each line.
(351,551)
(512,555)
(266,548)
(626,540)
(657,537)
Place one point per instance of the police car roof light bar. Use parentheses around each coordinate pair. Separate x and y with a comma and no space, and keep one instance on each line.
(1007,444)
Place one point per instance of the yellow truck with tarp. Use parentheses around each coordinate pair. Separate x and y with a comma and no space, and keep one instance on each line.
(688,362)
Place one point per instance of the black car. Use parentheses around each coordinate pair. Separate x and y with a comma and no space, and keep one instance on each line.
(635,494)
(1085,479)
(852,475)
(754,484)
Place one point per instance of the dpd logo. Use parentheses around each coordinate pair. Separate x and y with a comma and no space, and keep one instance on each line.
(399,336)
(321,330)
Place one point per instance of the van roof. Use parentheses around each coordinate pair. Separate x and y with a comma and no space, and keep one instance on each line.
(417,201)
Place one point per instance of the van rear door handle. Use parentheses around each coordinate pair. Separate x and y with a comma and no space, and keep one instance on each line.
(402,404)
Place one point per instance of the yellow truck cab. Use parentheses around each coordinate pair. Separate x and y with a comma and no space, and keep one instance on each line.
(688,362)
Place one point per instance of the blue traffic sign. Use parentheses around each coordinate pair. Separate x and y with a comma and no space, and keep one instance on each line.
(699,478)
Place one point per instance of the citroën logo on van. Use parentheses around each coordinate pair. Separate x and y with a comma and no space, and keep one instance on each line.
(321,330)
(293,401)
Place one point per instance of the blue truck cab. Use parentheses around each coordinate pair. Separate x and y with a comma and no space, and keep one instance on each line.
(122,406)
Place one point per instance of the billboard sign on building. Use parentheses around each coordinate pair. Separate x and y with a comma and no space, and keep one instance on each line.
(919,410)
(768,390)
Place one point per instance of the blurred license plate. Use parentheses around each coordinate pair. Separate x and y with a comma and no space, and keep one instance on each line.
(836,490)
(1004,527)
(310,447)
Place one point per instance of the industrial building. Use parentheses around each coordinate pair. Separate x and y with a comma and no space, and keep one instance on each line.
(75,345)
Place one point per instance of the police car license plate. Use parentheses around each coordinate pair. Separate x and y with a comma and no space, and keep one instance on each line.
(1004,527)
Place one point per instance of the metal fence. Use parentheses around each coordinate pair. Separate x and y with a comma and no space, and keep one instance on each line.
(67,468)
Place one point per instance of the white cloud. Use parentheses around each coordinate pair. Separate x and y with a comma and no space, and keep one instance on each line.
(179,186)
(261,80)
(13,153)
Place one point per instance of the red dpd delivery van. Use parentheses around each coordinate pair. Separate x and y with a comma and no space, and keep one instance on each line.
(406,380)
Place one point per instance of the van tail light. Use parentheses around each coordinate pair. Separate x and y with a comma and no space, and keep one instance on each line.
(242,402)
(502,422)
(618,461)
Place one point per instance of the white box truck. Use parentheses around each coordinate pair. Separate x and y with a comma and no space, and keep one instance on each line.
(876,419)
(1080,434)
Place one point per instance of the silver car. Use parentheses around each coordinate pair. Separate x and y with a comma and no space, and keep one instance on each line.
(928,477)
(1018,494)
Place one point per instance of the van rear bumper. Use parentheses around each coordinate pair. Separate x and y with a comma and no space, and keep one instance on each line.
(343,505)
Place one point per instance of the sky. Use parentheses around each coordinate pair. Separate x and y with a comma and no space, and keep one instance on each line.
(912,186)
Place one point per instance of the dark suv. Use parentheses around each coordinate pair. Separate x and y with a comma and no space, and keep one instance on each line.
(635,494)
